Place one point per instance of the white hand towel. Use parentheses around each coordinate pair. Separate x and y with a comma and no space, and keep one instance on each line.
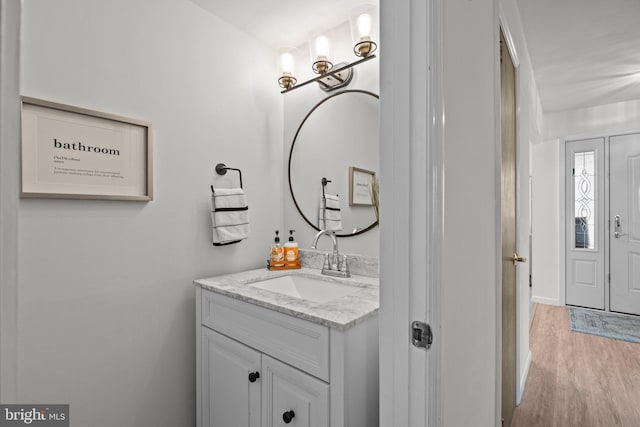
(331,225)
(329,214)
(332,202)
(232,233)
(229,216)
(329,217)
(229,197)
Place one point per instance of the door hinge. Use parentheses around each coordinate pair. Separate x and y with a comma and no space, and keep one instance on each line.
(609,277)
(421,335)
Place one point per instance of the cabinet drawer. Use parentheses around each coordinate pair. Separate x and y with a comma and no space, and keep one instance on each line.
(297,342)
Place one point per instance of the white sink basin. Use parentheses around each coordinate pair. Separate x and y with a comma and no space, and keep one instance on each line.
(305,288)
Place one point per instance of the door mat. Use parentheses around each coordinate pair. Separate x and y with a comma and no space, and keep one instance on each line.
(609,325)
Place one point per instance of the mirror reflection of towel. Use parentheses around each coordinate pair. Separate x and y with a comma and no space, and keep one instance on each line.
(329,217)
(229,215)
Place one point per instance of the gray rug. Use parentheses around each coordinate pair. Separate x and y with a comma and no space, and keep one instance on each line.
(610,325)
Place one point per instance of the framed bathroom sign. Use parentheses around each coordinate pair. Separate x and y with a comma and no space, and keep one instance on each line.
(75,153)
(360,186)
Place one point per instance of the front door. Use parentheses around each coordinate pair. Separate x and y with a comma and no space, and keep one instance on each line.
(625,223)
(508,220)
(585,219)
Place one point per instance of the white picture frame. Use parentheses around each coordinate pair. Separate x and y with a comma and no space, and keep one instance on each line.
(69,152)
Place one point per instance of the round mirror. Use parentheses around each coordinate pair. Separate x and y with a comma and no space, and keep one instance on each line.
(337,141)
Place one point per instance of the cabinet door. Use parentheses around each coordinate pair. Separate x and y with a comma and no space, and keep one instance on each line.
(286,390)
(229,398)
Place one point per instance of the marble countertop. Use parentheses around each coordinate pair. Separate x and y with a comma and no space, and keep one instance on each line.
(340,313)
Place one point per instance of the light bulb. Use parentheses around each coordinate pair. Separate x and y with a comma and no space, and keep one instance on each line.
(286,62)
(361,27)
(364,26)
(322,47)
(286,80)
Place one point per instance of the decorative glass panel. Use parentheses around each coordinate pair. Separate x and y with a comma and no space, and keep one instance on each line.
(584,178)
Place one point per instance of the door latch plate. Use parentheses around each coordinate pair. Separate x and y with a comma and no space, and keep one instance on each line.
(421,335)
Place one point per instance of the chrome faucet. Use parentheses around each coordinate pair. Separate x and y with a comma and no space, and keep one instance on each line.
(334,264)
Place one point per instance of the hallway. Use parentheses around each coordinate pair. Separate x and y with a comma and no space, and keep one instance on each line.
(578,380)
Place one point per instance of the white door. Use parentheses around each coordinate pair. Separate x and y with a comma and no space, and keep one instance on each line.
(625,223)
(231,382)
(585,217)
(290,396)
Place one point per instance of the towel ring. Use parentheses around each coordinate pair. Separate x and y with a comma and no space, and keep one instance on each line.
(324,182)
(221,169)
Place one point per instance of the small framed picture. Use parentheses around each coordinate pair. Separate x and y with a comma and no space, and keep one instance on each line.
(360,186)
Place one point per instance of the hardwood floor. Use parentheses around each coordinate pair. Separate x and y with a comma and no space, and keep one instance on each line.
(578,380)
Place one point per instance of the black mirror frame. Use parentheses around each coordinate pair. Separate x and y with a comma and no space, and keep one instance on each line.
(293,144)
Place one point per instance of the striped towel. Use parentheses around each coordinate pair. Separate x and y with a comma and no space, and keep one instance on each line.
(329,217)
(229,215)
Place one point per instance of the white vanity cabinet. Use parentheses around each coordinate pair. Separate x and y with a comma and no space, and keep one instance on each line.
(257,367)
(241,387)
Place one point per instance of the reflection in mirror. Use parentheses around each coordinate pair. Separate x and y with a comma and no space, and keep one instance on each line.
(339,133)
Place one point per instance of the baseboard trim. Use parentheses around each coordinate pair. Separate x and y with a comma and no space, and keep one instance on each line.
(543,300)
(523,379)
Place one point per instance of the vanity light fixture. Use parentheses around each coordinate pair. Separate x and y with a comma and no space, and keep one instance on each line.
(286,80)
(364,46)
(337,77)
(330,77)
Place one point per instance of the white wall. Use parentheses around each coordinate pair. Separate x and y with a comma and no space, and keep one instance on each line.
(9,153)
(106,312)
(470,254)
(296,106)
(600,120)
(547,237)
(472,172)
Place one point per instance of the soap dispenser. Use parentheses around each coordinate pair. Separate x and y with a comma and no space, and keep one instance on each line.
(277,253)
(291,251)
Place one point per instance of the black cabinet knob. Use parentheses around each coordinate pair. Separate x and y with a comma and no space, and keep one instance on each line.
(288,416)
(253,376)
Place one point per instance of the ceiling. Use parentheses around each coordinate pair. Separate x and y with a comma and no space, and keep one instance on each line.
(282,23)
(584,52)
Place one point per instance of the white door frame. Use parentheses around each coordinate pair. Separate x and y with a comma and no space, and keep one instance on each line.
(9,195)
(411,230)
(562,176)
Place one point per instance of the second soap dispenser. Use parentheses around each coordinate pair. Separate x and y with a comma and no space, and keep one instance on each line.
(291,251)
